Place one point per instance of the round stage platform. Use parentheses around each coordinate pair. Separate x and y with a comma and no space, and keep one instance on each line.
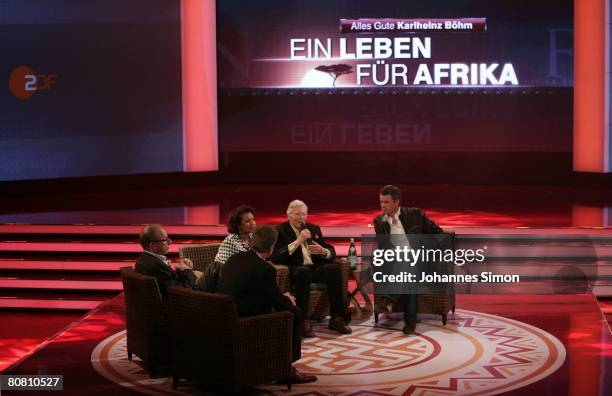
(475,353)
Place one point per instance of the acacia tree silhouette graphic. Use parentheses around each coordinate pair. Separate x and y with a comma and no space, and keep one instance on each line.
(335,71)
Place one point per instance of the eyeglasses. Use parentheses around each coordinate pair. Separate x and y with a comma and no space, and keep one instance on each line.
(167,240)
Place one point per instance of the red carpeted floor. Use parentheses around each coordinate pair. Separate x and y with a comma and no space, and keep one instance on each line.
(574,320)
(24,331)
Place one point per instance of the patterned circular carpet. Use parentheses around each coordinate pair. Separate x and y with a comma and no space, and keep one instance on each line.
(475,353)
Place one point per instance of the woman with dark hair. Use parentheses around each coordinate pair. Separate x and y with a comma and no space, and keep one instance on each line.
(241,224)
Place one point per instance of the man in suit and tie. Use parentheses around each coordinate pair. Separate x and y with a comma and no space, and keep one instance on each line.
(301,247)
(397,222)
(252,281)
(153,262)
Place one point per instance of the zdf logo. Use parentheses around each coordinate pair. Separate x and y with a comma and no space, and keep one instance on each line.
(24,82)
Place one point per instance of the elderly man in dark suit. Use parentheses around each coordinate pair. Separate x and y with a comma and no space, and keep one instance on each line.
(302,248)
(252,281)
(153,262)
(397,221)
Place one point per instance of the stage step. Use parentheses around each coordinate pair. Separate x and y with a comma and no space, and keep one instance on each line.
(59,304)
(103,249)
(60,284)
(125,230)
(41,281)
(132,249)
(35,294)
(74,247)
(510,252)
(74,275)
(60,299)
(76,267)
(63,265)
(83,290)
(91,238)
(131,232)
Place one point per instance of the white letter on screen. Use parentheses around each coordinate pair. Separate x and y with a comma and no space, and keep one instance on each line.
(295,48)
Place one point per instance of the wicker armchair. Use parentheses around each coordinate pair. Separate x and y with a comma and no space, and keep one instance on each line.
(318,304)
(203,255)
(147,322)
(438,304)
(435,303)
(214,346)
(282,276)
(200,255)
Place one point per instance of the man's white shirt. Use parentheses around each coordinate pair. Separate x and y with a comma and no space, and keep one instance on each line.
(398,234)
(307,257)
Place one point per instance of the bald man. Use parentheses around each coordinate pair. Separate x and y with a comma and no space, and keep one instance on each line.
(153,262)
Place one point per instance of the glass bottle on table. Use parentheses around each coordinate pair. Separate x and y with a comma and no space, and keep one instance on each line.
(352,254)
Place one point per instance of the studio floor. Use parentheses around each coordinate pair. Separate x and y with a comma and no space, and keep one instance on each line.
(63,313)
(519,345)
